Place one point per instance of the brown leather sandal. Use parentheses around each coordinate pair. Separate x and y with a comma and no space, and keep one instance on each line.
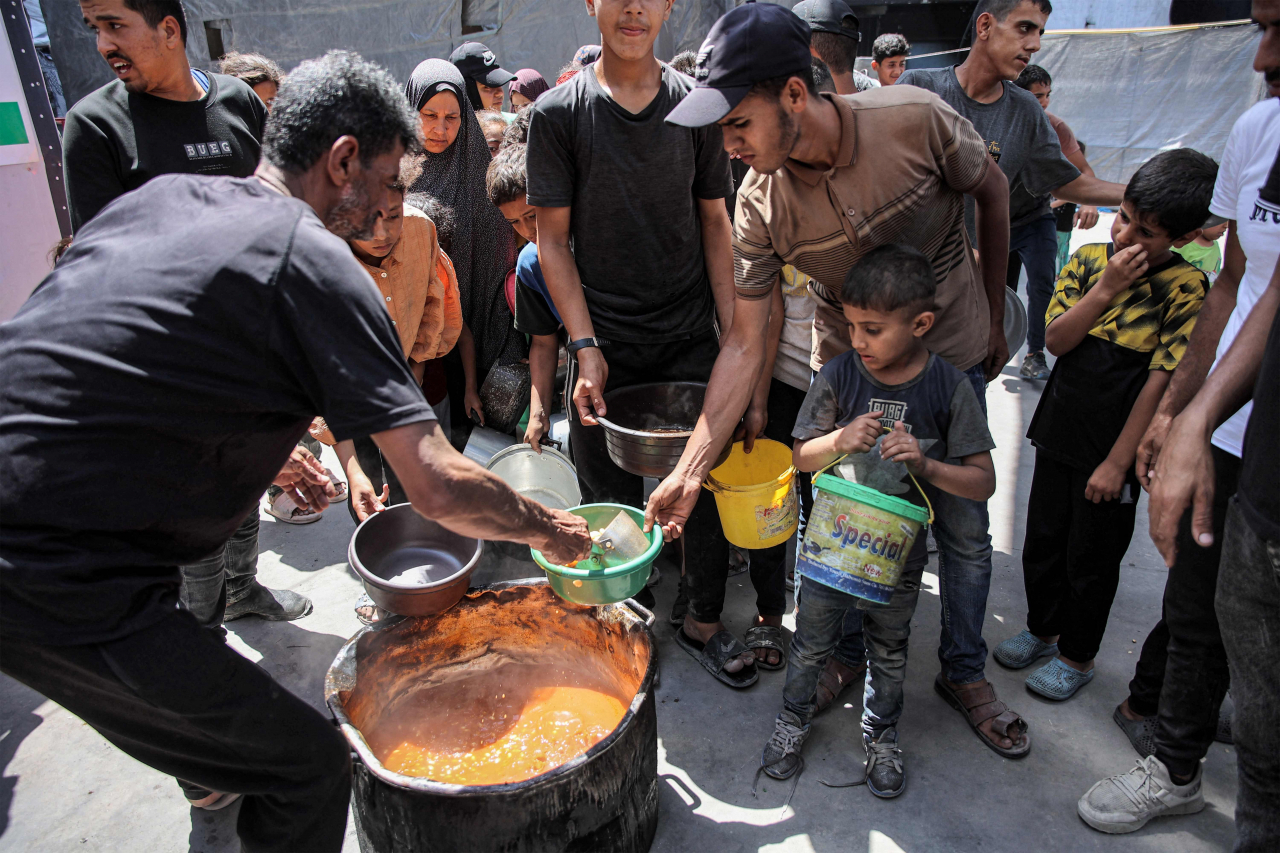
(835,677)
(978,703)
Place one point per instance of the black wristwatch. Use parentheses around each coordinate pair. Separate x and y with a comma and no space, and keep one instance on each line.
(583,343)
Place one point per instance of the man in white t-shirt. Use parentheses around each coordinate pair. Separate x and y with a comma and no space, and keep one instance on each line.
(1180,680)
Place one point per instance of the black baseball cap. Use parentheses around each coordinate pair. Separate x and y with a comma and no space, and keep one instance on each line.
(754,42)
(829,16)
(477,62)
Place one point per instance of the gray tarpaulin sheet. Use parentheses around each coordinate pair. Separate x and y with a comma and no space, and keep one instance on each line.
(1131,95)
(1126,94)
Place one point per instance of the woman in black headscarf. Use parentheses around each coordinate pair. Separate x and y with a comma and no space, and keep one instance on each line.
(483,248)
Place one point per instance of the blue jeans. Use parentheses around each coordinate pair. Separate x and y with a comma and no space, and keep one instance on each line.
(1248,605)
(961,528)
(1035,246)
(885,627)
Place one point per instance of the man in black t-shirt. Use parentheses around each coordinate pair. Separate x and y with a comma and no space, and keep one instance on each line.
(635,243)
(159,116)
(190,376)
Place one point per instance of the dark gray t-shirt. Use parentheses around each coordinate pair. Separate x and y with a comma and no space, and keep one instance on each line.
(938,407)
(1018,136)
(156,381)
(633,182)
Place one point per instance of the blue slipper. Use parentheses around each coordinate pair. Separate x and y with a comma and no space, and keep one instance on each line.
(1023,650)
(1056,680)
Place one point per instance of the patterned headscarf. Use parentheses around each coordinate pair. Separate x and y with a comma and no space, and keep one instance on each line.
(529,83)
(483,242)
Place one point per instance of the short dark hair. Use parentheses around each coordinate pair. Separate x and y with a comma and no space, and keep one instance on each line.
(251,68)
(1175,188)
(838,51)
(1032,75)
(339,94)
(772,88)
(889,44)
(822,76)
(1000,9)
(439,213)
(686,62)
(505,180)
(891,277)
(517,133)
(155,11)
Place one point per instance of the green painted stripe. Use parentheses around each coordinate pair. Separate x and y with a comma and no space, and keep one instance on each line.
(12,130)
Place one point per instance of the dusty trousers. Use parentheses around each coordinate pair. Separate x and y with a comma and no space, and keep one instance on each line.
(177,698)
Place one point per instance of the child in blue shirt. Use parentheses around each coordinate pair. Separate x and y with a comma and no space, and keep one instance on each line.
(535,313)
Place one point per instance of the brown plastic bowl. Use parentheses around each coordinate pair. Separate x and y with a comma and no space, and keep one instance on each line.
(386,542)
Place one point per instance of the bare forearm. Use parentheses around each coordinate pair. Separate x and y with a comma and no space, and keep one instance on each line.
(777,317)
(543,355)
(565,286)
(991,199)
(729,390)
(346,451)
(1125,450)
(717,248)
(467,350)
(1088,189)
(450,489)
(419,370)
(1231,384)
(972,481)
(1202,348)
(813,454)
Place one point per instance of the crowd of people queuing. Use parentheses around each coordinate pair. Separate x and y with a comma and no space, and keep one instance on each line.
(640,221)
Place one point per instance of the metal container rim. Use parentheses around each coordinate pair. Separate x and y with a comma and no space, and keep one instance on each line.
(355,739)
(381,583)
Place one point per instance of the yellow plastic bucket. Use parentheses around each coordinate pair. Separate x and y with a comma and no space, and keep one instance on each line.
(755,494)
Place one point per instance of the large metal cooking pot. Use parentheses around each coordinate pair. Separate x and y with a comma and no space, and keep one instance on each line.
(410,565)
(604,799)
(547,477)
(649,425)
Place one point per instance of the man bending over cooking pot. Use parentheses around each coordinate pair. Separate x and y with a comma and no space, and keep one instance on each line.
(192,377)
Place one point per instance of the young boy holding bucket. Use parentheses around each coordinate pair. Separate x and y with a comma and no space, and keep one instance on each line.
(910,424)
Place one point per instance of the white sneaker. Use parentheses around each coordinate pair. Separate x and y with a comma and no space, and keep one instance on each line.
(1125,803)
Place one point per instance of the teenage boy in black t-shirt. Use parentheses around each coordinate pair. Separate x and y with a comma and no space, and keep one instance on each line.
(159,116)
(641,202)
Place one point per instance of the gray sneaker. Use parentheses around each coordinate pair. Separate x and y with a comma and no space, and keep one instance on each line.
(886,776)
(274,605)
(781,757)
(1033,367)
(1125,803)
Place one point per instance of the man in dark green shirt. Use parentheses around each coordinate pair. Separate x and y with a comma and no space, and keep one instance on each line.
(159,116)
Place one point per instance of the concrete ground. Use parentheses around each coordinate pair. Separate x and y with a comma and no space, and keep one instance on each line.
(64,788)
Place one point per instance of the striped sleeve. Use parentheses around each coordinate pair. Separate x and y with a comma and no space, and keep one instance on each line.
(755,264)
(1180,312)
(957,148)
(1071,286)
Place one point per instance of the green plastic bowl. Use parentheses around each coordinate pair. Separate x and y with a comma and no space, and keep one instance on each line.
(603,586)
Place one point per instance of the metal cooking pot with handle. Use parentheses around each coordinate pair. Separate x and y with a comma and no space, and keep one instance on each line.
(649,425)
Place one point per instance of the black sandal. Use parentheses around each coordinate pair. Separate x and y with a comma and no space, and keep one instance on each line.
(762,638)
(715,653)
